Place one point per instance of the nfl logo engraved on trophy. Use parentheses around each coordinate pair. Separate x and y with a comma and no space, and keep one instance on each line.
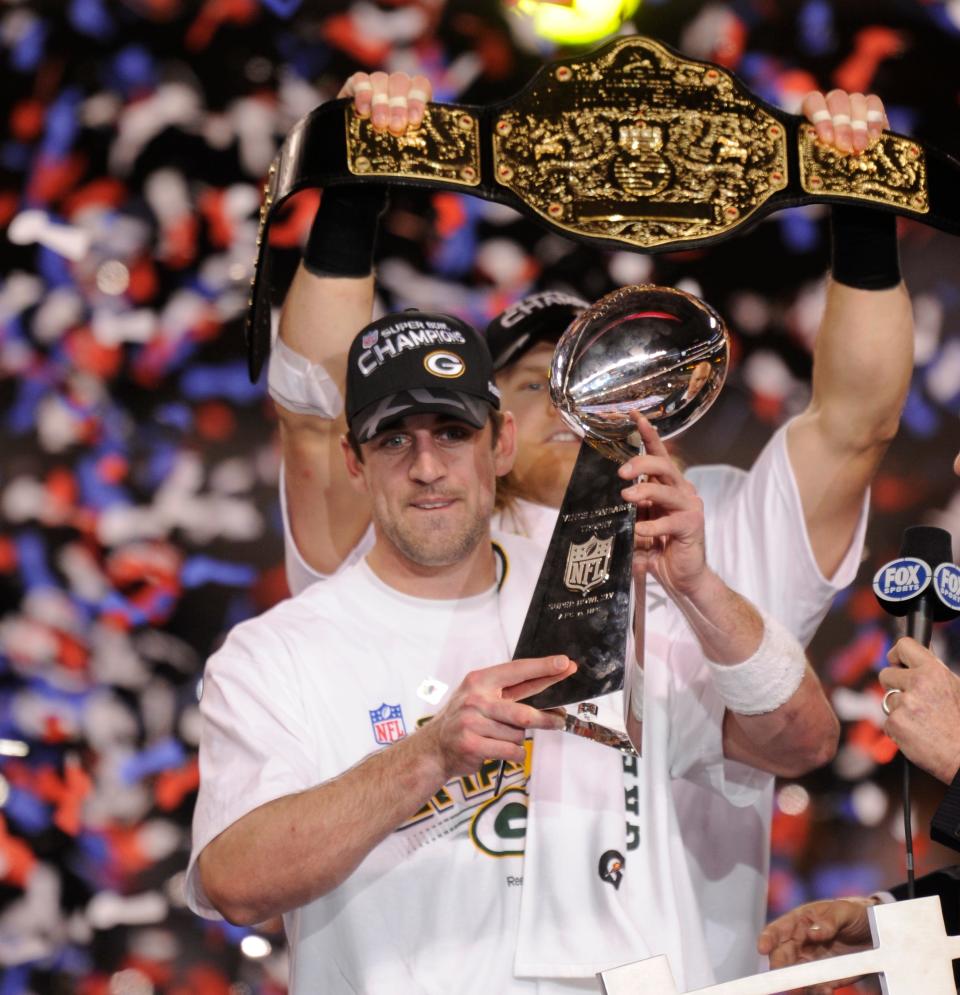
(588,564)
(388,725)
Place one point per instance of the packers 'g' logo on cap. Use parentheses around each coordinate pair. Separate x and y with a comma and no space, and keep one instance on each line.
(444,364)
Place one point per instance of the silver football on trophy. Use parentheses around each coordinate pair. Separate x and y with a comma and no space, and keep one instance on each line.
(651,349)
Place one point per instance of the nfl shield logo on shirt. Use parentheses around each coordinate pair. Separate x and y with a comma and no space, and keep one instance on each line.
(369,339)
(387,722)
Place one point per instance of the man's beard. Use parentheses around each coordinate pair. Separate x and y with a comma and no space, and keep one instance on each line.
(439,547)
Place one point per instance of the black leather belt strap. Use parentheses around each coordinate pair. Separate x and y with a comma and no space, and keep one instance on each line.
(632,147)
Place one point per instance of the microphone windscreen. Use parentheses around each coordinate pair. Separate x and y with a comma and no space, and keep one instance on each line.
(928,543)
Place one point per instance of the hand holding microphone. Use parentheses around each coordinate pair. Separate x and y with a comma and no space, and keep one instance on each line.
(922,699)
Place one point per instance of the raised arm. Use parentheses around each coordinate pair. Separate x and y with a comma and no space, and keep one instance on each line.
(777,716)
(863,357)
(301,846)
(329,301)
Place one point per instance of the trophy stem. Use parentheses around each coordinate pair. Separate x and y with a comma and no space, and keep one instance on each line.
(634,670)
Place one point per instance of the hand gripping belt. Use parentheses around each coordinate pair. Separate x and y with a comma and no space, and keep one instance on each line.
(632,146)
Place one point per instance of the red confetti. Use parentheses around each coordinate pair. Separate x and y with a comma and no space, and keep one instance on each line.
(178,246)
(451,214)
(219,226)
(26,120)
(52,178)
(112,468)
(172,786)
(91,355)
(105,191)
(871,46)
(862,606)
(214,15)
(143,281)
(215,421)
(291,227)
(341,32)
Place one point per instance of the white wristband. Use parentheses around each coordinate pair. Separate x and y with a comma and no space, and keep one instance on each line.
(301,386)
(764,681)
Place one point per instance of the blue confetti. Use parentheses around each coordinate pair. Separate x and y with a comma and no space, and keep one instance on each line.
(54,268)
(63,123)
(15,978)
(282,8)
(52,692)
(161,463)
(95,491)
(228,381)
(29,48)
(90,17)
(29,813)
(176,415)
(164,755)
(200,570)
(834,880)
(817,36)
(919,416)
(941,17)
(902,119)
(15,156)
(32,556)
(22,416)
(133,69)
(799,231)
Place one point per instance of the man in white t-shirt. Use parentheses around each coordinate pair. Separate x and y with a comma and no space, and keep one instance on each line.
(351,735)
(788,534)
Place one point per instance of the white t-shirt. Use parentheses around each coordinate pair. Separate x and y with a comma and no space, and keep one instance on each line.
(756,540)
(308,689)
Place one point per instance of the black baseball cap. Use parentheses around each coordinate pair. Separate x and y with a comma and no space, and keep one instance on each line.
(416,362)
(543,316)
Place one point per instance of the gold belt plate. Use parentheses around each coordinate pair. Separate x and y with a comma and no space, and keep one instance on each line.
(892,171)
(445,147)
(640,146)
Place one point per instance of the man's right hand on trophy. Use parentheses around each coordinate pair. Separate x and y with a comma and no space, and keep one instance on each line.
(393,102)
(669,532)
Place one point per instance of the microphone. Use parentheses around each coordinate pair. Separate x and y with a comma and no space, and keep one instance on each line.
(922,584)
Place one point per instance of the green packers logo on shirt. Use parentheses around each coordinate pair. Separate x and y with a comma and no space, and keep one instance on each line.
(500,825)
(444,364)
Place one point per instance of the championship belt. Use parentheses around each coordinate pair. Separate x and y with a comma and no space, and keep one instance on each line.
(632,147)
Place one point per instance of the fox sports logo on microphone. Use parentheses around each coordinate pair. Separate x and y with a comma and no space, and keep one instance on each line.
(946,581)
(901,580)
